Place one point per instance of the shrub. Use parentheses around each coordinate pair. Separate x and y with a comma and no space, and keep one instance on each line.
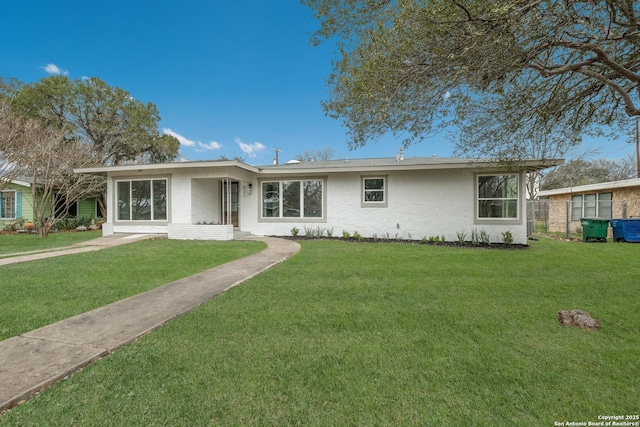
(475,237)
(507,237)
(15,225)
(295,231)
(73,223)
(313,232)
(485,237)
(329,232)
(308,232)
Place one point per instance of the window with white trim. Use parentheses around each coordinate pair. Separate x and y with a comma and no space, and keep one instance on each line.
(591,206)
(498,196)
(8,204)
(374,191)
(292,199)
(141,200)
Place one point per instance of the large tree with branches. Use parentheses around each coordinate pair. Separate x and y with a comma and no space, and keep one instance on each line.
(562,68)
(43,156)
(51,126)
(114,125)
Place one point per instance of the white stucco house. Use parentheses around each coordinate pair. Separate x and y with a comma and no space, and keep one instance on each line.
(407,198)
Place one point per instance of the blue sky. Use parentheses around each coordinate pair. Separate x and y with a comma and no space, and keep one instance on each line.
(229,77)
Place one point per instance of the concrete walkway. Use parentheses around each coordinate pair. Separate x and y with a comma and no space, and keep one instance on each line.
(86,246)
(35,360)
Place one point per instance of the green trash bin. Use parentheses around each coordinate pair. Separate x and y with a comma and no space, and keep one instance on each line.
(594,229)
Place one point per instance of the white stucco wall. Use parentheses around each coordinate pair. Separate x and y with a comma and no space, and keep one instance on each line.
(205,195)
(420,204)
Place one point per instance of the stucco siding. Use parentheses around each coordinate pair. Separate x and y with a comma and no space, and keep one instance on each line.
(205,194)
(420,204)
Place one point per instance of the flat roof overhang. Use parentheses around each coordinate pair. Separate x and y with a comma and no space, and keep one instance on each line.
(335,166)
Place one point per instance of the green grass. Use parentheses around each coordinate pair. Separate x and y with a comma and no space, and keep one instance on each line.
(15,243)
(37,293)
(381,334)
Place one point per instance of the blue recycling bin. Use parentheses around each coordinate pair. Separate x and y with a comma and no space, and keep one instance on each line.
(626,230)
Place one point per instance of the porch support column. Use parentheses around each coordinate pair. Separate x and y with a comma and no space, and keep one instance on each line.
(228,196)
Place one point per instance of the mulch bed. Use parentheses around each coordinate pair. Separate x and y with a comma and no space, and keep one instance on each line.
(451,244)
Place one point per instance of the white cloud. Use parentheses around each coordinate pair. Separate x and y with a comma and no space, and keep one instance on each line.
(250,149)
(54,69)
(212,145)
(183,141)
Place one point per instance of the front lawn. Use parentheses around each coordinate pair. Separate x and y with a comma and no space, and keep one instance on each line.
(22,242)
(37,293)
(381,334)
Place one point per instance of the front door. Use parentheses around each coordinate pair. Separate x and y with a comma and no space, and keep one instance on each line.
(229,202)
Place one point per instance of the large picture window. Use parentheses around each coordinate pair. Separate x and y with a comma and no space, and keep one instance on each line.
(292,199)
(142,200)
(498,196)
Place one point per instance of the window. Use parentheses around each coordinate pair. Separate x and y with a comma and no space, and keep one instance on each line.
(498,196)
(142,200)
(591,206)
(576,208)
(62,209)
(374,192)
(605,205)
(292,199)
(8,204)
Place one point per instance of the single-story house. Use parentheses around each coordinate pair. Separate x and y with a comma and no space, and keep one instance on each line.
(616,199)
(408,198)
(16,202)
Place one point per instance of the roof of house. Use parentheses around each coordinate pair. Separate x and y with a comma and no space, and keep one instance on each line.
(25,182)
(344,165)
(634,182)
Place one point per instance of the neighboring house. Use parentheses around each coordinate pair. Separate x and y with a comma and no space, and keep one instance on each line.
(407,198)
(16,202)
(617,199)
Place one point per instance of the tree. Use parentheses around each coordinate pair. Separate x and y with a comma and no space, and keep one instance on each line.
(46,157)
(412,68)
(102,123)
(582,172)
(237,158)
(115,126)
(9,129)
(320,155)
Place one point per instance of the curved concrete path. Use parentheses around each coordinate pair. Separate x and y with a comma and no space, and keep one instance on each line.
(35,360)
